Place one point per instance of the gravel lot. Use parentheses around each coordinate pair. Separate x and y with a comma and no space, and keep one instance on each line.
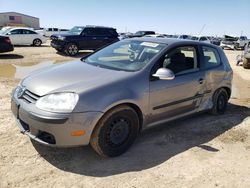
(201,151)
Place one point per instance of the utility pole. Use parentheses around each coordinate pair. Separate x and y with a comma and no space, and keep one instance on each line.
(203,27)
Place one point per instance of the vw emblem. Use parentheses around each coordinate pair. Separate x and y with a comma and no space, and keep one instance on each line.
(20,92)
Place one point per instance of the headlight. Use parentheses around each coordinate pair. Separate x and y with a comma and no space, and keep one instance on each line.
(61,38)
(58,102)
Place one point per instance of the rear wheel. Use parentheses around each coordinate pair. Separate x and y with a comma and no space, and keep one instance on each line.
(37,42)
(72,49)
(115,132)
(220,101)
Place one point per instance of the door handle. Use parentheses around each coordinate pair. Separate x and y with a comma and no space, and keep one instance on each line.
(201,80)
(94,38)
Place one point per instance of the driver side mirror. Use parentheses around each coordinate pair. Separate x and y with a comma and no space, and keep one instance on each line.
(164,74)
(7,33)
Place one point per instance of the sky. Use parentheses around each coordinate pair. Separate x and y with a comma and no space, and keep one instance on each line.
(204,17)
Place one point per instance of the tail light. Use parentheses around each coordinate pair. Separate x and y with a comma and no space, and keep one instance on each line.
(7,39)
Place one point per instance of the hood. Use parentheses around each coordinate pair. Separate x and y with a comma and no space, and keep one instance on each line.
(75,76)
(68,34)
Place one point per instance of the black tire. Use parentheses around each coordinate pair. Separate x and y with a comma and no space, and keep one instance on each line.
(220,101)
(115,132)
(246,63)
(37,42)
(71,49)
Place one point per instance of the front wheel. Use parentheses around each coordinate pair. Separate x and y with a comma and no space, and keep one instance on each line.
(71,49)
(115,132)
(220,101)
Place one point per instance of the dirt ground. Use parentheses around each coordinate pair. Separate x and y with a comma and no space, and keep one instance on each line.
(201,151)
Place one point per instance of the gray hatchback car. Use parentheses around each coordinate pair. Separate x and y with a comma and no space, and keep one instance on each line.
(108,97)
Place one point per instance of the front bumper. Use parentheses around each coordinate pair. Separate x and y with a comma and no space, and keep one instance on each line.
(54,129)
(57,44)
(230,46)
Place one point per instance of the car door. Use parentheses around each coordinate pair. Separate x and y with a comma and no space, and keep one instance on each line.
(29,36)
(15,36)
(183,94)
(89,39)
(107,36)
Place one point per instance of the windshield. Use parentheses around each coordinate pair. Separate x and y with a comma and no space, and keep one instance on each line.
(76,30)
(128,55)
(3,31)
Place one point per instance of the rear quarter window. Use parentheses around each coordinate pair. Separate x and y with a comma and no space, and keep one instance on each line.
(211,57)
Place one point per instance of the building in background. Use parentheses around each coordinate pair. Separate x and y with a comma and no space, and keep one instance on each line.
(18,19)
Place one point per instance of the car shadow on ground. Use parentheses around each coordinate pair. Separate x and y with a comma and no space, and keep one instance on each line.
(79,55)
(21,46)
(153,146)
(10,56)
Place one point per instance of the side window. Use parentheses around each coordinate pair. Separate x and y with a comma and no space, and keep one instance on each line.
(89,32)
(211,57)
(182,60)
(55,29)
(28,32)
(16,32)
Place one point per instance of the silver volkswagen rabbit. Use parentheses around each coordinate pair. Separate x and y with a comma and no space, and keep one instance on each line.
(109,96)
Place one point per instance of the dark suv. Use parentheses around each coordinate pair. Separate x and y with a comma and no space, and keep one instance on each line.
(83,38)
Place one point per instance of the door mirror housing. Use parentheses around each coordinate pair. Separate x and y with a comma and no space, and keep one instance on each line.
(164,74)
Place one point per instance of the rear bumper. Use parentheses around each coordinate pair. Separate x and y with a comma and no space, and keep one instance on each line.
(55,130)
(230,46)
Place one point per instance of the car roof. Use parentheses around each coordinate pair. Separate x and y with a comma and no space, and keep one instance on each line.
(171,41)
(22,28)
(95,26)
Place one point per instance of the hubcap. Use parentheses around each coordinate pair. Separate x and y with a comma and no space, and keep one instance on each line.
(73,49)
(119,132)
(37,42)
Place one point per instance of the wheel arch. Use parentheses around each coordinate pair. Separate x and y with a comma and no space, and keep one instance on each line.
(131,105)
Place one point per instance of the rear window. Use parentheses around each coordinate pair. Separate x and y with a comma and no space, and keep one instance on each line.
(211,57)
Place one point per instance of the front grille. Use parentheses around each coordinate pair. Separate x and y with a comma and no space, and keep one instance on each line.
(30,97)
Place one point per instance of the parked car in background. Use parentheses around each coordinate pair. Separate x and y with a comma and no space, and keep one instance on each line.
(244,57)
(124,35)
(114,93)
(47,32)
(84,38)
(242,42)
(186,37)
(228,42)
(142,33)
(24,36)
(156,36)
(209,39)
(5,44)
